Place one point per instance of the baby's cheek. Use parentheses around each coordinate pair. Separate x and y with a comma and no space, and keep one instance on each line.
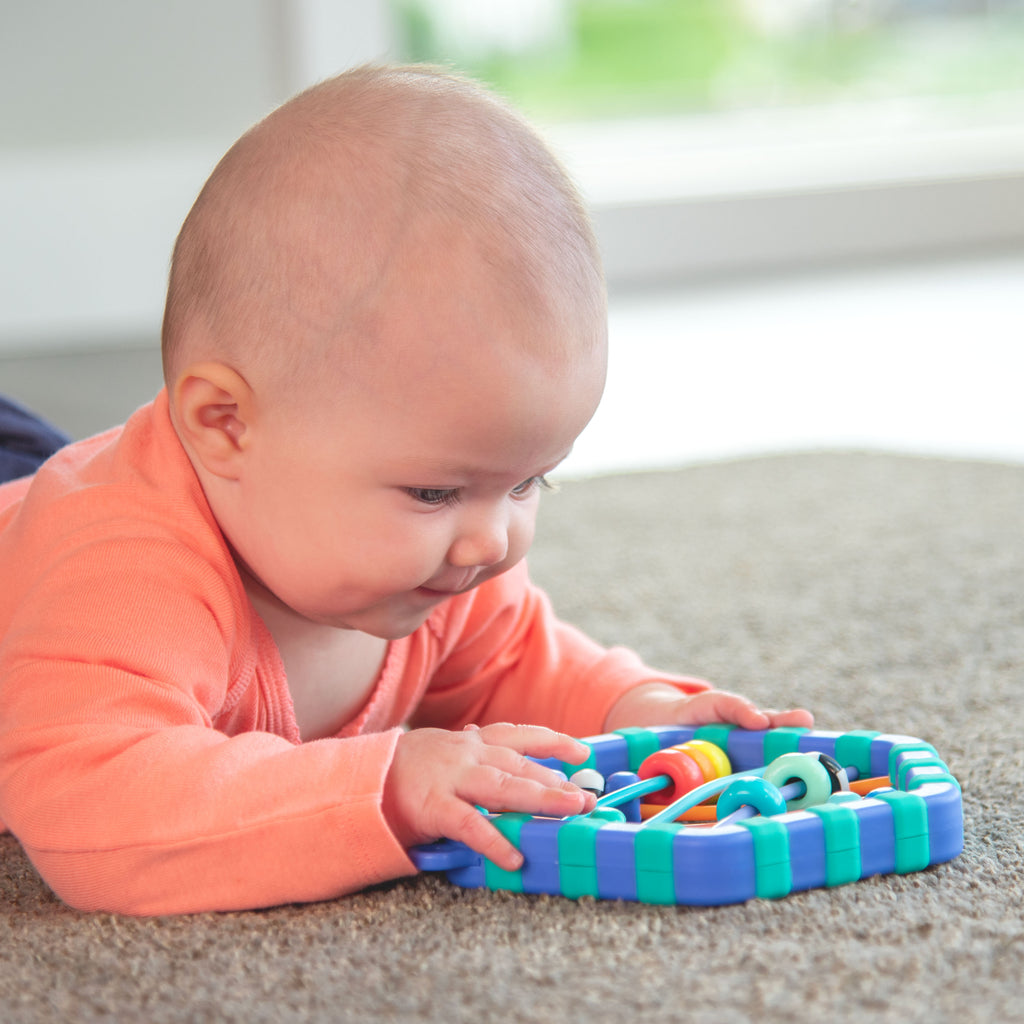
(521,532)
(518,547)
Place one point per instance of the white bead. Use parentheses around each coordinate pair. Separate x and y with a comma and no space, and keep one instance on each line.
(588,778)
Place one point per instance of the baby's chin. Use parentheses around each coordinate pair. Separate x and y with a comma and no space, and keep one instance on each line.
(386,623)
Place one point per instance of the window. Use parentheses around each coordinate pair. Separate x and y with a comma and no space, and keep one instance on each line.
(587,58)
(777,133)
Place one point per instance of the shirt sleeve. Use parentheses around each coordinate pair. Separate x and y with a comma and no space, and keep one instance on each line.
(511,659)
(116,781)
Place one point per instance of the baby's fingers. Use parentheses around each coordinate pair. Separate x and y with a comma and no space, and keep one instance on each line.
(723,706)
(466,824)
(747,715)
(513,783)
(535,741)
(493,788)
(797,717)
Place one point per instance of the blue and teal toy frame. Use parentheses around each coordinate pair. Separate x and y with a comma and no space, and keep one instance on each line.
(912,824)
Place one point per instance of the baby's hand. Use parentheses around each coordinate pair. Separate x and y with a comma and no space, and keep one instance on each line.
(662,704)
(436,778)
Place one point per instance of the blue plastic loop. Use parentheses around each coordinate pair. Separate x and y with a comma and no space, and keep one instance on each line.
(750,791)
(656,861)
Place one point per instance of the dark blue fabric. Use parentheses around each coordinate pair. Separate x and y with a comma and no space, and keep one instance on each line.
(26,441)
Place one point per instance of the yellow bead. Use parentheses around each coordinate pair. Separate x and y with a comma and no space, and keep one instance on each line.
(720,765)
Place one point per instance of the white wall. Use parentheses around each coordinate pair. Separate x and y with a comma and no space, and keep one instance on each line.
(125,72)
(116,110)
(114,113)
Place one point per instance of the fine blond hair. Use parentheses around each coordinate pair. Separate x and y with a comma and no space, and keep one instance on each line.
(294,231)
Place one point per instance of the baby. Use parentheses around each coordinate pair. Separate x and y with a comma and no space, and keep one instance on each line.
(272,631)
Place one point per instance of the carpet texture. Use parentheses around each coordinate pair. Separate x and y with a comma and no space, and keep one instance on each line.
(881,592)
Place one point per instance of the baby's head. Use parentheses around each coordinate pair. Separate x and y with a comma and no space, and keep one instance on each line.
(360,183)
(389,276)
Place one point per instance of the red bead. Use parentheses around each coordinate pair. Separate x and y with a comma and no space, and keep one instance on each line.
(682,769)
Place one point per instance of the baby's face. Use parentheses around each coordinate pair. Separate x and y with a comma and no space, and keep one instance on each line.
(416,472)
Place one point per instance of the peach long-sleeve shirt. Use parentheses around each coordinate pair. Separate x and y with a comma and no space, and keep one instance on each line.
(150,761)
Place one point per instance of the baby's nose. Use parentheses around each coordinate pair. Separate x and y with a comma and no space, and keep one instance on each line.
(483,541)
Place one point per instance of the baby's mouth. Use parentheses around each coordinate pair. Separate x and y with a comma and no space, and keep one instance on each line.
(447,586)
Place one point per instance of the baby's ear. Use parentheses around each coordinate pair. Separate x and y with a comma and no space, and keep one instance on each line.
(212,408)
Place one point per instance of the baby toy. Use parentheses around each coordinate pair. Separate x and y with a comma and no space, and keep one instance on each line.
(718,814)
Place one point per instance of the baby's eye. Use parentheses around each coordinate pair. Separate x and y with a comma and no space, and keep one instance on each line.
(527,486)
(434,495)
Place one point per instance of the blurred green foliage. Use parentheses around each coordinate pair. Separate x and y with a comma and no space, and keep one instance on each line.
(659,56)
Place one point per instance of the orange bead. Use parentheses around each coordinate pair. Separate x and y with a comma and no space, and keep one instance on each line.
(715,757)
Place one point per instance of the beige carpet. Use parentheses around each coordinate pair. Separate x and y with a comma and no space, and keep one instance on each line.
(882,592)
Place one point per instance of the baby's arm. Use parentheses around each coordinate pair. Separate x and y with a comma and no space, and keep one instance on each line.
(437,777)
(117,677)
(663,704)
